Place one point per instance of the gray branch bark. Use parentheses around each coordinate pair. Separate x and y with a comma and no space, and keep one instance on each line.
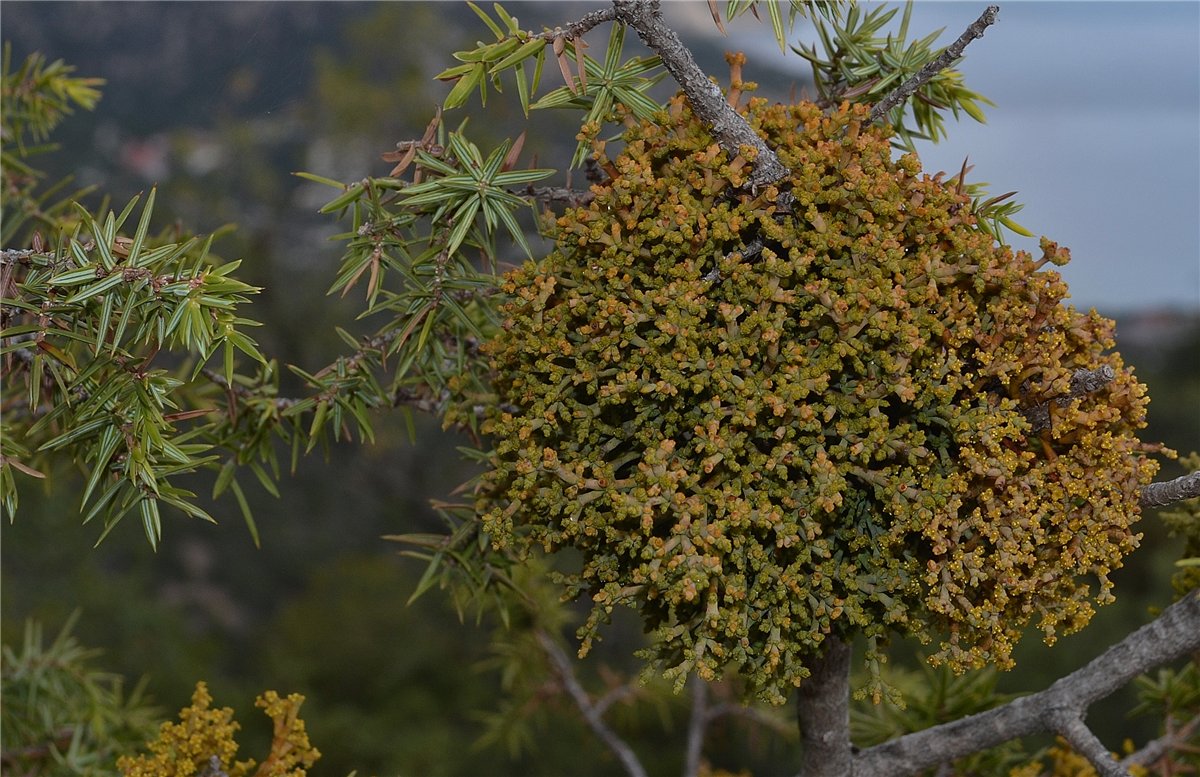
(1173,634)
(697,723)
(1182,487)
(580,28)
(709,105)
(1082,382)
(557,194)
(932,68)
(1152,751)
(823,710)
(13,255)
(1069,724)
(562,667)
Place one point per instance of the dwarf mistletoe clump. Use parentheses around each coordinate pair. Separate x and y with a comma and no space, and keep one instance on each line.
(202,742)
(831,406)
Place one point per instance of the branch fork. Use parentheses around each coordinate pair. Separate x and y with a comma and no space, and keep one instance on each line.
(1059,709)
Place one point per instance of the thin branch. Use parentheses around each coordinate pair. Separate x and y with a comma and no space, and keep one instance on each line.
(549,194)
(620,693)
(401,396)
(214,768)
(419,400)
(1174,633)
(595,721)
(581,27)
(932,68)
(1158,748)
(1082,382)
(1070,726)
(40,752)
(697,723)
(1182,487)
(709,105)
(14,255)
(748,252)
(244,393)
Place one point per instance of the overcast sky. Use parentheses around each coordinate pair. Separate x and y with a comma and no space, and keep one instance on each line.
(1096,124)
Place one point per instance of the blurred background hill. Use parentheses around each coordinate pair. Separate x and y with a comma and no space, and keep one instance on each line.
(217,104)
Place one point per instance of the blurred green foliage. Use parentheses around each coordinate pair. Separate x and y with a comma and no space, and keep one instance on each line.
(62,714)
(35,96)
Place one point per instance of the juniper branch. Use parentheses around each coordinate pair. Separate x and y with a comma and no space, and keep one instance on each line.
(562,667)
(1082,382)
(823,711)
(1174,633)
(573,197)
(1182,487)
(935,66)
(710,106)
(620,693)
(697,723)
(1070,726)
(581,27)
(1152,751)
(13,255)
